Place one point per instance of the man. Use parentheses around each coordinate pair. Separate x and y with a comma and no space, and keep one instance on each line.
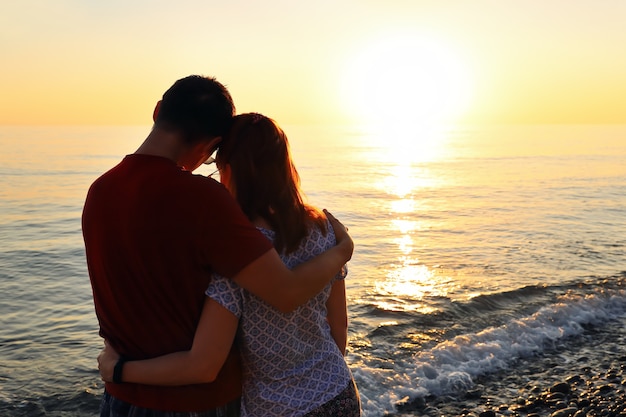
(153,234)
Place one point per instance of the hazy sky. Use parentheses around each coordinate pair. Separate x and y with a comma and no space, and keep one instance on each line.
(323,61)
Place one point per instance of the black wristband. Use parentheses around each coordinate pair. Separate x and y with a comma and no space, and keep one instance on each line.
(117,370)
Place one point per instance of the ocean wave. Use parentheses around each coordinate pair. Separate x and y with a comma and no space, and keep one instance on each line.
(451,366)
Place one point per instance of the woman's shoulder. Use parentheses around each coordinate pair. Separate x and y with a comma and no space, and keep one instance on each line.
(319,236)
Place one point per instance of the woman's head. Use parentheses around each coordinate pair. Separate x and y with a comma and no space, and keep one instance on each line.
(257,152)
(260,174)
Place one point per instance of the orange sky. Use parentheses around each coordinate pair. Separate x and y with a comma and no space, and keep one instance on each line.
(531,61)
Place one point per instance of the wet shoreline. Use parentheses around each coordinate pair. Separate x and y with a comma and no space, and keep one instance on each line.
(581,376)
(584,376)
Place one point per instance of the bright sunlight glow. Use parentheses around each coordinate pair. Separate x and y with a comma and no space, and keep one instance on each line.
(406,81)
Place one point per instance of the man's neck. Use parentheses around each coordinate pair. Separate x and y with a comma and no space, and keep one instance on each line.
(162,143)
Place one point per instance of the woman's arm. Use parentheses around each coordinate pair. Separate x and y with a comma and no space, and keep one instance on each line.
(211,346)
(337,314)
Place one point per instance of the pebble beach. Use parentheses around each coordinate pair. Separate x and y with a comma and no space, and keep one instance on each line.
(583,376)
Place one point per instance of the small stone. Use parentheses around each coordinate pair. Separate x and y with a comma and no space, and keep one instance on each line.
(488,413)
(561,387)
(574,379)
(565,412)
(536,390)
(559,405)
(474,393)
(555,397)
(584,402)
(604,389)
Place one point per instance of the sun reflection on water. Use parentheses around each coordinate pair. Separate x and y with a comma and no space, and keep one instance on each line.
(405,244)
(410,285)
(407,286)
(405,226)
(403,206)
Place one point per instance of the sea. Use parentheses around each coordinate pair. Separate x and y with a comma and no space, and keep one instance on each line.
(478,250)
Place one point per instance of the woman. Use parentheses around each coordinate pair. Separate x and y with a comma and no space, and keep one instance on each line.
(293,363)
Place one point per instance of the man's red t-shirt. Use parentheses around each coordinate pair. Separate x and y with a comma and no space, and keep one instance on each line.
(153,234)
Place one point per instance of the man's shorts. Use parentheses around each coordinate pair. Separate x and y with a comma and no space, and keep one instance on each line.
(112,407)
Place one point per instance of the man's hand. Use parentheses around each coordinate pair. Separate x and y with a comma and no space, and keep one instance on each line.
(106,362)
(341,234)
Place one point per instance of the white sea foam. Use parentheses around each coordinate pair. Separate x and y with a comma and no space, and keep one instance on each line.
(450,367)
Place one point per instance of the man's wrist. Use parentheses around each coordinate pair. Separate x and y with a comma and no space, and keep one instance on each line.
(118,369)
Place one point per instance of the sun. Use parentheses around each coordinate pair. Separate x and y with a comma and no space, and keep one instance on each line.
(404,80)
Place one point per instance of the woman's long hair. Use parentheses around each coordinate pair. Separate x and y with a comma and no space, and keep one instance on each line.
(264,180)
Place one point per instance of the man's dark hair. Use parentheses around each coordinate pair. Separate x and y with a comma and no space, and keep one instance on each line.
(196,106)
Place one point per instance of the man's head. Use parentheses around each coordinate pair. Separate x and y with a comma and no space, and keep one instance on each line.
(197,107)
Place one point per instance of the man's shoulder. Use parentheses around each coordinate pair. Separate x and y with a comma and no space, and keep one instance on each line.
(206,187)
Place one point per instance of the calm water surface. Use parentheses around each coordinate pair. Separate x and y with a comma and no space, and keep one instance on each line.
(510,237)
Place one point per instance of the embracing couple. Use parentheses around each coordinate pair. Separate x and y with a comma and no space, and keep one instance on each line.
(216,299)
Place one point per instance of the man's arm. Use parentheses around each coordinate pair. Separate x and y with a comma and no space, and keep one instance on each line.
(269,279)
(211,345)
